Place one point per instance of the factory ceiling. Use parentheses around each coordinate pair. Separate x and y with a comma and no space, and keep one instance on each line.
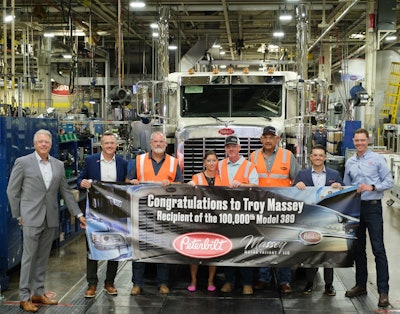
(243,28)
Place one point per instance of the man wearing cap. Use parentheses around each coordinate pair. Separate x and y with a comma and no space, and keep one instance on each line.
(236,171)
(276,167)
(319,137)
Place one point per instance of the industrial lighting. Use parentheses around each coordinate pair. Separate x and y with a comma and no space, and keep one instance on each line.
(9,18)
(67,56)
(155,34)
(137,4)
(222,53)
(391,38)
(48,35)
(285,16)
(172,47)
(153,25)
(278,33)
(217,46)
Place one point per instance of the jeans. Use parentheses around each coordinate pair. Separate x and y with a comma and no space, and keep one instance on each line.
(91,272)
(371,219)
(246,273)
(283,274)
(138,271)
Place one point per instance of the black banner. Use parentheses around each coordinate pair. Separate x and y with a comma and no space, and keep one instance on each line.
(222,226)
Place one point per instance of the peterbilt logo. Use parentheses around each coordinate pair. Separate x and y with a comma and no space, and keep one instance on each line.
(226,131)
(310,237)
(202,245)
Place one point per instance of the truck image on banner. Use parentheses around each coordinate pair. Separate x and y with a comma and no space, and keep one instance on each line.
(181,224)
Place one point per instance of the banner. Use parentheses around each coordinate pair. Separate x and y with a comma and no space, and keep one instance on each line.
(181,224)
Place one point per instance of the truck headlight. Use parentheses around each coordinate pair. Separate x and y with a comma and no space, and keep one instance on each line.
(109,240)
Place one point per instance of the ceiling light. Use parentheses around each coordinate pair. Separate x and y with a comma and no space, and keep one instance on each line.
(137,4)
(172,47)
(285,16)
(216,46)
(8,18)
(391,38)
(278,33)
(48,34)
(153,25)
(67,56)
(155,35)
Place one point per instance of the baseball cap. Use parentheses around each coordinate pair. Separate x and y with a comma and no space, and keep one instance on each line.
(270,130)
(321,126)
(232,140)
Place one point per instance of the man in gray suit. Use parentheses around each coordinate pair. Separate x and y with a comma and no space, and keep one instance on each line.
(35,181)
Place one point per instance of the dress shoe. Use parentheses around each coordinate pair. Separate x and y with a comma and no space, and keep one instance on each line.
(227,287)
(308,288)
(28,306)
(285,288)
(110,289)
(355,292)
(261,285)
(247,290)
(383,300)
(163,289)
(136,290)
(43,299)
(330,290)
(90,292)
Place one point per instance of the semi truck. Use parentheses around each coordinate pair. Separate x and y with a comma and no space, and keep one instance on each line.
(198,110)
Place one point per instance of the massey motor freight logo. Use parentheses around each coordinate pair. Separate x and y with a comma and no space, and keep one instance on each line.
(202,245)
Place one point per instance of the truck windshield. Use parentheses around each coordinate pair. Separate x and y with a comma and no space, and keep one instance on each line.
(231,100)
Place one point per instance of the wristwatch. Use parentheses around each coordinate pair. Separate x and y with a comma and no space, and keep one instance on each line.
(373,187)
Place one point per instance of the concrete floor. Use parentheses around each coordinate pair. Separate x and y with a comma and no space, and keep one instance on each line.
(66,281)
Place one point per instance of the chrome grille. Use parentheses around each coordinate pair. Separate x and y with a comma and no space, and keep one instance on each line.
(195,148)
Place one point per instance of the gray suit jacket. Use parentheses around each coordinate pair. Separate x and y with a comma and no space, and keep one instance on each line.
(29,198)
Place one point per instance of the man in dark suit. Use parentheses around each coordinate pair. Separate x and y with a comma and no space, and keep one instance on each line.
(318,175)
(108,167)
(35,181)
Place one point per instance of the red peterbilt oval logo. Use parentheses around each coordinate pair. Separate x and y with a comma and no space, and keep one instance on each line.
(310,237)
(202,245)
(226,131)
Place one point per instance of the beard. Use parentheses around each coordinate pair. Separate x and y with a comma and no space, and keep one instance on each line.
(159,150)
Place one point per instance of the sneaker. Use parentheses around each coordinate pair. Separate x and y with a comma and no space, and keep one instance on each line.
(163,289)
(308,288)
(136,290)
(330,290)
(227,287)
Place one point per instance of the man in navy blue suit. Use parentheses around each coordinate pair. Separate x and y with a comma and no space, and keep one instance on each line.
(105,166)
(318,175)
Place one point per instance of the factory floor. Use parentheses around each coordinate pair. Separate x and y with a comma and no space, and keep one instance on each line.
(66,282)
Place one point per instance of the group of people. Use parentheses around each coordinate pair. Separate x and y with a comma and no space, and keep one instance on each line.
(37,178)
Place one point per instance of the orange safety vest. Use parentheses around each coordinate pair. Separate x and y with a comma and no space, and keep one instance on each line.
(145,171)
(279,174)
(242,174)
(200,179)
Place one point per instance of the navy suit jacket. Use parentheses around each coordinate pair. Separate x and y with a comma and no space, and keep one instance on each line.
(91,169)
(332,176)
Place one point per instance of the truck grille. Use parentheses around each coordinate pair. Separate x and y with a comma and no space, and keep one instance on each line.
(194,150)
